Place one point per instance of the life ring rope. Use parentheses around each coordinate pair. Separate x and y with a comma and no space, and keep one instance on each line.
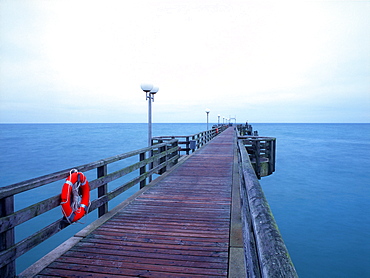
(74,206)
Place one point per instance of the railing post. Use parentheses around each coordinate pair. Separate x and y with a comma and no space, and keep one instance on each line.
(102,190)
(257,150)
(187,145)
(162,159)
(142,169)
(273,154)
(268,155)
(175,144)
(7,238)
(151,164)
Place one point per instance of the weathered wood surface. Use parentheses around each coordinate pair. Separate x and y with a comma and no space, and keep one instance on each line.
(9,219)
(13,189)
(187,223)
(261,233)
(178,228)
(262,153)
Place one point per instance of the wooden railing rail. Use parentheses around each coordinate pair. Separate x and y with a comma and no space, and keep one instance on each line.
(190,143)
(163,155)
(266,254)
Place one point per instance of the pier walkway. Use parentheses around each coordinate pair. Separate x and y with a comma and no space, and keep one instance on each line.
(177,226)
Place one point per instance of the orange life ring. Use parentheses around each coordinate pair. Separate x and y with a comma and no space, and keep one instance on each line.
(79,180)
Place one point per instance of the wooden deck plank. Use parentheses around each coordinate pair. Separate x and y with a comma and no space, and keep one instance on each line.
(169,260)
(178,228)
(214,249)
(75,270)
(146,252)
(120,265)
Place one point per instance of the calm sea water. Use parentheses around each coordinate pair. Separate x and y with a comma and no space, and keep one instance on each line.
(319,194)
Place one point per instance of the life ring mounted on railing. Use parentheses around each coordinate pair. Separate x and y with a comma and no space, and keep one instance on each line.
(75,197)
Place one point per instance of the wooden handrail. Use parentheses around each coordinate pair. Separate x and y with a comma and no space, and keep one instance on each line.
(200,138)
(166,153)
(155,159)
(261,234)
(16,188)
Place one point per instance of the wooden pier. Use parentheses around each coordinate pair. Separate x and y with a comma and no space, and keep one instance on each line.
(204,217)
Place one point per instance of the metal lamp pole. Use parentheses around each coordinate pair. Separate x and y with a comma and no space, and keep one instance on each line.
(150,92)
(207,111)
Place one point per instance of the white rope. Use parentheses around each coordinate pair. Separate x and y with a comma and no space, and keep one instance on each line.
(76,199)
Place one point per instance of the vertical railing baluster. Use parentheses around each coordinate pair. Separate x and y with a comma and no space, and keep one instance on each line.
(7,238)
(151,154)
(102,190)
(273,155)
(142,169)
(258,158)
(162,159)
(173,145)
(187,145)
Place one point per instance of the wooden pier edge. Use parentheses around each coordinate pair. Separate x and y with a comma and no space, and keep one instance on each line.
(237,263)
(266,252)
(43,262)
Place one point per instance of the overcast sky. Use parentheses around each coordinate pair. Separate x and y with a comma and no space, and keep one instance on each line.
(261,61)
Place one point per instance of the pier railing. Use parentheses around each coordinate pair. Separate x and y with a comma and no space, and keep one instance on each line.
(161,155)
(262,153)
(261,150)
(245,129)
(265,252)
(190,143)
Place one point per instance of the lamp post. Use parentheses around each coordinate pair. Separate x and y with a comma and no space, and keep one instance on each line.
(207,111)
(218,119)
(150,92)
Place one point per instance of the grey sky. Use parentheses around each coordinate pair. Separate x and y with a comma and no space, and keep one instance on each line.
(262,61)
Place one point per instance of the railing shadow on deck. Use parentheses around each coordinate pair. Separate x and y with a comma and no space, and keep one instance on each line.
(156,159)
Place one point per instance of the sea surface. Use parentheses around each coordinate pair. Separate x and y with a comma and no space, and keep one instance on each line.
(319,194)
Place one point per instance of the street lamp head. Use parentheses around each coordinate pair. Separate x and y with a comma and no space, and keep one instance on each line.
(154,90)
(207,110)
(146,87)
